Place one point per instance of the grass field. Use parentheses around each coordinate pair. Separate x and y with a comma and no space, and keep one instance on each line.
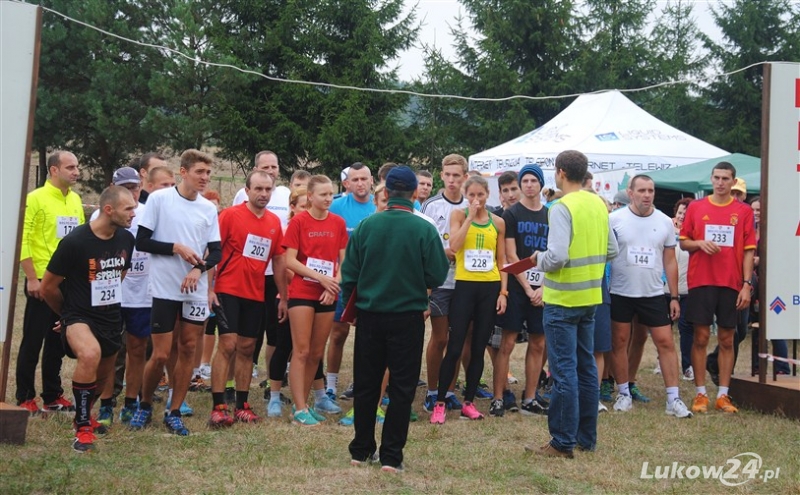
(458,457)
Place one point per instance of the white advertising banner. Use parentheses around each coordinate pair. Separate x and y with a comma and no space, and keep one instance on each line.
(18,25)
(782,299)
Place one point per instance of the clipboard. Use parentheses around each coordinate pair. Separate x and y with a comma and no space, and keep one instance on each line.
(349,313)
(518,267)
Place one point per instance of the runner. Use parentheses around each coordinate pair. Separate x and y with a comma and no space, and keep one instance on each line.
(315,243)
(719,234)
(647,241)
(178,226)
(438,208)
(91,262)
(251,238)
(480,292)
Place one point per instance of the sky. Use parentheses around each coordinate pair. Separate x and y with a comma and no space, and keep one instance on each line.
(438,15)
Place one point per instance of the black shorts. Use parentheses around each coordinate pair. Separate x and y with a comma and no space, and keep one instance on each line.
(318,306)
(707,301)
(270,321)
(653,311)
(165,313)
(520,311)
(109,338)
(244,317)
(440,301)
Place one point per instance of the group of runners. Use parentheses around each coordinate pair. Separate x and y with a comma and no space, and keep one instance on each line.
(158,260)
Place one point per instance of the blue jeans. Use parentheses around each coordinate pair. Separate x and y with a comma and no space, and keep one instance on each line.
(572,417)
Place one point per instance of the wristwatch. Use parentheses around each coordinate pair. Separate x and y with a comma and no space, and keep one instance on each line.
(675,298)
(748,282)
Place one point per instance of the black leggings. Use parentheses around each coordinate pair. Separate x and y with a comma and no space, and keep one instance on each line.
(472,302)
(283,349)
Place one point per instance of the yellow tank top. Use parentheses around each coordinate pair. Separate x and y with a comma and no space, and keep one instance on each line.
(476,261)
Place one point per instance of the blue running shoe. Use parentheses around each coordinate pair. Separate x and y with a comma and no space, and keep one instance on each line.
(385,400)
(430,401)
(637,394)
(326,406)
(452,403)
(380,416)
(175,425)
(185,409)
(331,394)
(275,409)
(141,418)
(606,391)
(316,415)
(482,393)
(126,414)
(541,400)
(347,419)
(105,416)
(510,401)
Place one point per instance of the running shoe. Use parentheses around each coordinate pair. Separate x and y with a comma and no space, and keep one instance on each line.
(319,417)
(185,409)
(105,416)
(255,372)
(439,414)
(700,403)
(510,401)
(348,393)
(141,418)
(688,375)
(533,408)
(61,404)
(175,425)
(469,411)
(347,419)
(429,402)
(286,401)
(220,416)
(413,418)
(393,469)
(275,409)
(380,416)
(84,440)
(452,402)
(163,384)
(246,415)
(606,389)
(496,408)
(366,462)
(541,400)
(325,405)
(637,394)
(678,409)
(126,414)
(198,384)
(511,379)
(480,393)
(724,404)
(421,383)
(331,394)
(623,403)
(205,371)
(548,450)
(657,369)
(99,428)
(385,401)
(601,408)
(31,406)
(303,417)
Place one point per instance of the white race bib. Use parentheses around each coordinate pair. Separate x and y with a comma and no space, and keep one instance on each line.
(643,257)
(195,310)
(139,264)
(478,260)
(722,235)
(256,247)
(534,277)
(319,266)
(106,292)
(65,225)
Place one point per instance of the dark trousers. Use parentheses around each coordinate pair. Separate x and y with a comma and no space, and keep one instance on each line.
(37,330)
(393,341)
(686,332)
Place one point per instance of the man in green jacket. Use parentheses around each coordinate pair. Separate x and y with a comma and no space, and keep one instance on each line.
(393,260)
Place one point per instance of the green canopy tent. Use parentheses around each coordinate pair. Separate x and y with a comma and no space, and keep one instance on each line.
(695,178)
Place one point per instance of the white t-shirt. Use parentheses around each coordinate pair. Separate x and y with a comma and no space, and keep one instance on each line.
(438,209)
(135,287)
(637,270)
(278,202)
(424,217)
(175,219)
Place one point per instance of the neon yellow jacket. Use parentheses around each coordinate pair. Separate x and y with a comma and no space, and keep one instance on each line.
(49,216)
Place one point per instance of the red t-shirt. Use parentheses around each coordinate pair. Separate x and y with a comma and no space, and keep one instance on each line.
(248,244)
(318,243)
(731,226)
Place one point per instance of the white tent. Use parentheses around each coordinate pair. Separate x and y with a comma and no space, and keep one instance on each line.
(610,129)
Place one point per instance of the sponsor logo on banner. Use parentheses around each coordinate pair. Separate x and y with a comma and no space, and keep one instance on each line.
(777,305)
(608,136)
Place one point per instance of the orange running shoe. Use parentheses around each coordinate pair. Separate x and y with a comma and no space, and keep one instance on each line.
(220,417)
(700,404)
(724,404)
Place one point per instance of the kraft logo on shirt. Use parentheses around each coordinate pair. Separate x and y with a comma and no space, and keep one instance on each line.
(320,234)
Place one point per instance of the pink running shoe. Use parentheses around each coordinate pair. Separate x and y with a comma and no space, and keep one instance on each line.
(469,411)
(439,414)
